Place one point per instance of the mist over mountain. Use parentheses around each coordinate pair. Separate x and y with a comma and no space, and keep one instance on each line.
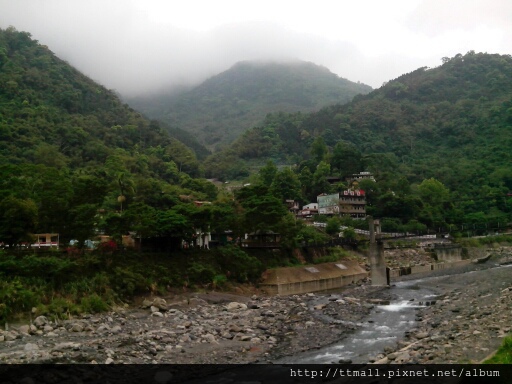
(226,105)
(452,122)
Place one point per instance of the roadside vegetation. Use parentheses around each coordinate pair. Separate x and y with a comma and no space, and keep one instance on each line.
(60,285)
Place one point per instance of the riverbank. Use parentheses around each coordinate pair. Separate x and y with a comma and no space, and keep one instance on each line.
(200,328)
(471,314)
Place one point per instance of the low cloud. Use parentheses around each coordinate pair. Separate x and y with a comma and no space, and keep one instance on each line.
(136,47)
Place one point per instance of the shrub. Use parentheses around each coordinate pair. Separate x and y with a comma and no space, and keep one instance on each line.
(127,283)
(93,304)
(61,307)
(238,265)
(15,297)
(200,273)
(219,281)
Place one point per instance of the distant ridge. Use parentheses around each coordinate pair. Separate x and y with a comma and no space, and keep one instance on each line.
(223,107)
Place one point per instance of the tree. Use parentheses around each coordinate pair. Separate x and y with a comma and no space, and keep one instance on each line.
(333,226)
(82,222)
(261,210)
(286,185)
(18,219)
(141,218)
(320,183)
(346,159)
(436,202)
(268,173)
(318,149)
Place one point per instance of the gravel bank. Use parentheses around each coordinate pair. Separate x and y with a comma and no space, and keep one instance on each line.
(472,314)
(206,328)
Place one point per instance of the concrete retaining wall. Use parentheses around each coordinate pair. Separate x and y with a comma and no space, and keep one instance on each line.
(394,273)
(311,286)
(312,278)
(448,252)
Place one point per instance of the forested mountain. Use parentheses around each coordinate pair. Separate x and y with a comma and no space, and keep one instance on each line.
(452,123)
(73,156)
(226,105)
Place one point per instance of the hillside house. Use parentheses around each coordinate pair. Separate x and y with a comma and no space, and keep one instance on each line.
(353,203)
(357,177)
(292,205)
(46,240)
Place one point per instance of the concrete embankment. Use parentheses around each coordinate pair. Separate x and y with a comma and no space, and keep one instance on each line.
(314,278)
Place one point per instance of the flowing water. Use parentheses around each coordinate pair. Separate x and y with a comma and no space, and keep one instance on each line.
(384,327)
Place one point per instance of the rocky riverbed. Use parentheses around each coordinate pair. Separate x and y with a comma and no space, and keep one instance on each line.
(471,315)
(201,328)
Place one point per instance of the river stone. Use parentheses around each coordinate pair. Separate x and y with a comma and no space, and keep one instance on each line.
(234,328)
(154,309)
(421,335)
(24,329)
(30,347)
(160,304)
(40,321)
(66,345)
(157,314)
(210,338)
(234,306)
(77,327)
(403,357)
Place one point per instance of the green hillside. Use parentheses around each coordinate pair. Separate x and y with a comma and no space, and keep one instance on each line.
(452,123)
(224,106)
(73,157)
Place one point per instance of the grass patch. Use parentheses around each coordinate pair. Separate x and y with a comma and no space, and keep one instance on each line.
(504,354)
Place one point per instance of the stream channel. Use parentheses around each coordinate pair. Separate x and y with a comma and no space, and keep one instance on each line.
(385,325)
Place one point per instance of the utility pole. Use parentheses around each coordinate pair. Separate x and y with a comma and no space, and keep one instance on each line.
(376,256)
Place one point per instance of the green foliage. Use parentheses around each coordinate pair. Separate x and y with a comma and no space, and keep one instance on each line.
(333,226)
(18,218)
(15,297)
(223,107)
(219,281)
(74,158)
(53,268)
(93,304)
(504,354)
(238,265)
(62,307)
(126,282)
(437,141)
(349,233)
(200,273)
(309,235)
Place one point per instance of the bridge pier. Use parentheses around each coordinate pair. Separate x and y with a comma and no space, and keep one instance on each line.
(378,269)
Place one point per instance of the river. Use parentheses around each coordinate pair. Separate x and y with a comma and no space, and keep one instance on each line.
(388,324)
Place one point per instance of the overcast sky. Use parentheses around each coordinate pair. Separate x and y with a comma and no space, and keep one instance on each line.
(135,46)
